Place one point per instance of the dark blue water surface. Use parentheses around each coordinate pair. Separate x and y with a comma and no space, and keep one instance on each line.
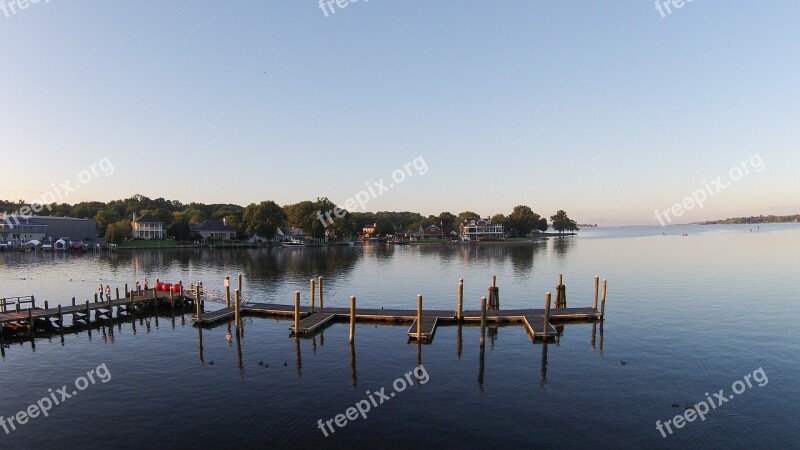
(689,315)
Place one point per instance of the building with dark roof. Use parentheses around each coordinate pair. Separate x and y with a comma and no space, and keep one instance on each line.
(213,229)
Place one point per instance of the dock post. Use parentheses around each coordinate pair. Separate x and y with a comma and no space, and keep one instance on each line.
(483,321)
(239,283)
(227,292)
(419,317)
(88,315)
(460,311)
(494,280)
(197,304)
(603,304)
(236,308)
(60,318)
(95,297)
(73,301)
(596,290)
(126,289)
(296,313)
(546,316)
(30,322)
(171,299)
(558,291)
(33,302)
(352,319)
(311,289)
(319,288)
(46,305)
(116,289)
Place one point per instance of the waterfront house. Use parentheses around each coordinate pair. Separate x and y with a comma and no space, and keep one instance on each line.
(481,229)
(213,229)
(147,227)
(368,231)
(431,232)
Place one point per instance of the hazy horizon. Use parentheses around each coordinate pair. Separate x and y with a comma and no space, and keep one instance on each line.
(610,111)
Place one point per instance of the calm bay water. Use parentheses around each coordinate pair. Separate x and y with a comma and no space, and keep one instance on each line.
(689,314)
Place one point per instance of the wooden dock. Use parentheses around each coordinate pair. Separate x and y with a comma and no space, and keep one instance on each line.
(308,320)
(309,324)
(34,317)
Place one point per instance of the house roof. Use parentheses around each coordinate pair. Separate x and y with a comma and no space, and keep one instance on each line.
(147,218)
(212,225)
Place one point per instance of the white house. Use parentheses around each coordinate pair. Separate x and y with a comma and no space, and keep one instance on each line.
(147,227)
(476,230)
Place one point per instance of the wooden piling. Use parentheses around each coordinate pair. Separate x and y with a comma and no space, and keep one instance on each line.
(236,300)
(494,280)
(30,321)
(88,314)
(546,315)
(197,303)
(596,290)
(352,318)
(60,318)
(239,283)
(319,289)
(126,288)
(46,305)
(603,304)
(312,293)
(73,301)
(95,297)
(116,289)
(227,292)
(296,313)
(419,317)
(460,310)
(483,321)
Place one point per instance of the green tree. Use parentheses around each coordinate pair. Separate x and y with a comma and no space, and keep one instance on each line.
(118,231)
(562,223)
(448,222)
(263,219)
(104,218)
(522,221)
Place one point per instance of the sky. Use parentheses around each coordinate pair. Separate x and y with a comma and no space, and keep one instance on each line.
(611,111)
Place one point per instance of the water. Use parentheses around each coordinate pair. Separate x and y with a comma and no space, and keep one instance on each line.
(689,315)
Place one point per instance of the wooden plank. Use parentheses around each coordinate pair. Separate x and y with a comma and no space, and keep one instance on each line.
(428,328)
(313,322)
(535,326)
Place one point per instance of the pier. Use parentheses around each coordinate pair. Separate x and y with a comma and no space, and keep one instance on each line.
(542,325)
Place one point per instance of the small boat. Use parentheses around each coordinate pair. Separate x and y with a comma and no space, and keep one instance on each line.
(294,243)
(61,245)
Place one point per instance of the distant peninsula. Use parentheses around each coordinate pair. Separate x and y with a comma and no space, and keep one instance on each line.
(754,219)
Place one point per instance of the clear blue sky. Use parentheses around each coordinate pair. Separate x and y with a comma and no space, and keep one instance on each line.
(605,109)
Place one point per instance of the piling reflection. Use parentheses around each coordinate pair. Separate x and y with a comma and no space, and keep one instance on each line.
(353,374)
(298,357)
(543,372)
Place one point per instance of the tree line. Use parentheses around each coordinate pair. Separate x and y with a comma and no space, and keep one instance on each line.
(113,218)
